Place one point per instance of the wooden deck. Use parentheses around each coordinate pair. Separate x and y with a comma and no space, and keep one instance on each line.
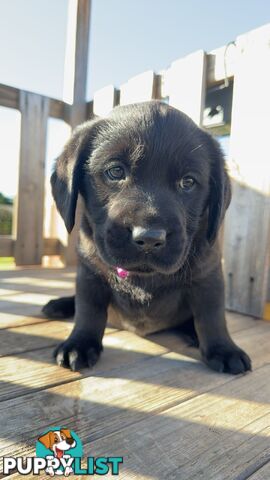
(149,400)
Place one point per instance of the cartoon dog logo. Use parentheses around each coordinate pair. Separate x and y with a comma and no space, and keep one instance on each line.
(58,441)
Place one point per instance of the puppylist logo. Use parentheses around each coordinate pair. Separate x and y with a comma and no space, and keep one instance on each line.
(59,451)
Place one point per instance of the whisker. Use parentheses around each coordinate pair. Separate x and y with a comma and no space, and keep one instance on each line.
(196,148)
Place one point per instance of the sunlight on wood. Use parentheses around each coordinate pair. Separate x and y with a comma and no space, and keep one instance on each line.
(41,282)
(30,298)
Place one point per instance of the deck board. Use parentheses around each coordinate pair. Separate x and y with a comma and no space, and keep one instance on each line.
(150,399)
(262,473)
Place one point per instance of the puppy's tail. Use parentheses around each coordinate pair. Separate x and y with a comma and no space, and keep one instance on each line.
(63,307)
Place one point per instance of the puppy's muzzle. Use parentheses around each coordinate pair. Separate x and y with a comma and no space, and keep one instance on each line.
(147,239)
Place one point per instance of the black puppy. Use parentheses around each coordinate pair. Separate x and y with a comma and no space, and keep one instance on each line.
(155,191)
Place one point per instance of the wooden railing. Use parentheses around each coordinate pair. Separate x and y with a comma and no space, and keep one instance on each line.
(29,246)
(187,85)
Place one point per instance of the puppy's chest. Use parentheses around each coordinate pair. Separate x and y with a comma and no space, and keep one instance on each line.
(138,310)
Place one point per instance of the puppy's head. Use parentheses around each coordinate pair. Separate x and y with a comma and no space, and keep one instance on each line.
(150,180)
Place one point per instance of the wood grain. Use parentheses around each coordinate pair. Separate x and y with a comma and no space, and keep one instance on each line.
(246,227)
(148,399)
(262,473)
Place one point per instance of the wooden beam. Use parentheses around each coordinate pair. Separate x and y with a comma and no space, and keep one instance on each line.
(157,84)
(10,98)
(59,109)
(51,246)
(90,109)
(7,244)
(29,244)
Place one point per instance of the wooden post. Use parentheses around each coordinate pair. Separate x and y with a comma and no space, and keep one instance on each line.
(185,84)
(78,112)
(247,233)
(29,244)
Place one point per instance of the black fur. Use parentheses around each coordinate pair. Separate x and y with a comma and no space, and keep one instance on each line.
(154,147)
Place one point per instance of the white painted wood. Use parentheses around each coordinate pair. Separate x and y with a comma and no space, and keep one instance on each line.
(184,84)
(249,143)
(221,63)
(104,101)
(138,88)
(247,232)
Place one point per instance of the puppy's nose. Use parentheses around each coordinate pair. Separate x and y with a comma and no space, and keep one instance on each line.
(70,440)
(148,239)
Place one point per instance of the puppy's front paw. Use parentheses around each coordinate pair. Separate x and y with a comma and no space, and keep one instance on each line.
(78,352)
(227,359)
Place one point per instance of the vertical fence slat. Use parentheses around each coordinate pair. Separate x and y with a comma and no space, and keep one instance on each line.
(249,143)
(247,224)
(29,244)
(185,84)
(104,100)
(141,88)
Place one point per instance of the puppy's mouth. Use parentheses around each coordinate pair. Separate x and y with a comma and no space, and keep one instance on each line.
(141,270)
(59,453)
(125,261)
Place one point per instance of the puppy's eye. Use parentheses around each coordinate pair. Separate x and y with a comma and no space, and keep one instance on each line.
(187,183)
(116,173)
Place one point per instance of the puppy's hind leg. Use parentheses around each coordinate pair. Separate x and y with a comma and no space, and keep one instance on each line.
(187,329)
(63,307)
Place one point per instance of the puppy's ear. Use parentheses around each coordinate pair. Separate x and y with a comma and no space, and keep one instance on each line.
(47,439)
(68,170)
(66,432)
(220,190)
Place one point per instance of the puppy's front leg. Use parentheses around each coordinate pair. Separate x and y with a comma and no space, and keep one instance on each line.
(83,347)
(217,348)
